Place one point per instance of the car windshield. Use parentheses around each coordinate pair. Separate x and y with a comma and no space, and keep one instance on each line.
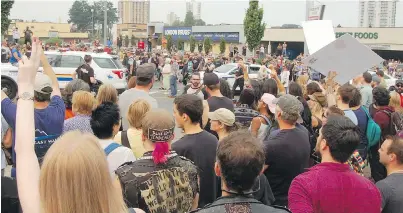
(225,68)
(118,63)
(105,63)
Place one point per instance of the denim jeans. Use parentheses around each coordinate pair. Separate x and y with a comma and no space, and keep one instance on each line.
(173,84)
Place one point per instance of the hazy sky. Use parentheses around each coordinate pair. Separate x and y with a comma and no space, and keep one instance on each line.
(276,12)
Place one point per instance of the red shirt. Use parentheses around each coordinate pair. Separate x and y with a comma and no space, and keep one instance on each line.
(333,188)
(140,45)
(107,50)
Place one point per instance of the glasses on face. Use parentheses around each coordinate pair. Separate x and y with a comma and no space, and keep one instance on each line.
(399,85)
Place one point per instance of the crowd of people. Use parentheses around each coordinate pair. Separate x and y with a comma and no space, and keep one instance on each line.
(290,143)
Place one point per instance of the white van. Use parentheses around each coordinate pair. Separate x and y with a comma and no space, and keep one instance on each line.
(107,69)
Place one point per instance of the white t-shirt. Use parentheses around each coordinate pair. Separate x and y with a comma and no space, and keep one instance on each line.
(262,49)
(117,157)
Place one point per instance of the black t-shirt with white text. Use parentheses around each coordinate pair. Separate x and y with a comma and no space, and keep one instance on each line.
(85,72)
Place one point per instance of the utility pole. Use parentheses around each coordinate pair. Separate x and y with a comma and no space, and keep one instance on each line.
(309,5)
(105,23)
(92,17)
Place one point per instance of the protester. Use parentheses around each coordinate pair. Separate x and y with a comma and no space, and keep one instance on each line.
(225,89)
(166,72)
(83,104)
(174,77)
(131,83)
(362,122)
(148,182)
(196,87)
(28,36)
(188,110)
(240,159)
(67,94)
(337,141)
(343,98)
(285,77)
(223,122)
(144,83)
(391,156)
(15,54)
(105,123)
(240,76)
(216,100)
(366,90)
(382,116)
(287,148)
(245,109)
(262,124)
(381,75)
(85,72)
(107,93)
(132,138)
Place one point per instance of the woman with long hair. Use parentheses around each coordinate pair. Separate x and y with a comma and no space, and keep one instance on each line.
(107,93)
(74,176)
(160,179)
(225,89)
(261,124)
(223,122)
(83,104)
(132,138)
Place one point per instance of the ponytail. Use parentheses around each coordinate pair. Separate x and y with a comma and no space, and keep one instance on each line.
(161,149)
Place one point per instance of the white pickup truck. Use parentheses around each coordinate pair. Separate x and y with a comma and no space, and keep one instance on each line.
(107,69)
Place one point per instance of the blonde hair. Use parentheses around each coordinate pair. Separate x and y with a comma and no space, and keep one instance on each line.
(75,178)
(395,101)
(107,93)
(315,107)
(83,102)
(302,81)
(136,112)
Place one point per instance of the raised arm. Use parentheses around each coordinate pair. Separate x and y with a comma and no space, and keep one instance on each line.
(280,85)
(48,70)
(27,162)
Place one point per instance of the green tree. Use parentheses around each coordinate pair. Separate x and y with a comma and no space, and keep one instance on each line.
(133,40)
(54,41)
(192,42)
(207,45)
(189,19)
(80,15)
(126,40)
(112,14)
(180,44)
(169,43)
(200,46)
(222,46)
(5,12)
(253,26)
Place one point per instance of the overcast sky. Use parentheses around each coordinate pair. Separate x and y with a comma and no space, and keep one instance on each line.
(276,12)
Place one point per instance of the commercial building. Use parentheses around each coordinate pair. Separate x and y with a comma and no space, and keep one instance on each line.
(194,7)
(377,13)
(134,11)
(46,30)
(172,17)
(387,42)
(137,30)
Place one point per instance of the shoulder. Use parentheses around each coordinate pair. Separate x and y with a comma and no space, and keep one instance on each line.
(383,185)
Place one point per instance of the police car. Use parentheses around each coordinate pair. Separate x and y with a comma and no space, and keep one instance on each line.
(107,69)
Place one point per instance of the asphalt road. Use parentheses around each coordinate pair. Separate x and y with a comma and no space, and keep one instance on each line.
(166,103)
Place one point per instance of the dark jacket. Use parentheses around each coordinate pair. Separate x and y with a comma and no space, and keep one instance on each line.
(239,203)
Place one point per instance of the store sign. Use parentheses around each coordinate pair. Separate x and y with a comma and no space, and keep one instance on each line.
(230,37)
(178,32)
(359,35)
(316,13)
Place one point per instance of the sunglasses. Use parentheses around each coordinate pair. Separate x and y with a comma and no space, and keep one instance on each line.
(399,85)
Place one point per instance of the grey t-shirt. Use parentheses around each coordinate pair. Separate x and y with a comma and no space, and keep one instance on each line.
(391,189)
(350,114)
(130,96)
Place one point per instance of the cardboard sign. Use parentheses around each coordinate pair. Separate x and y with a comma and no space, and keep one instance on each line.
(318,34)
(346,55)
(160,135)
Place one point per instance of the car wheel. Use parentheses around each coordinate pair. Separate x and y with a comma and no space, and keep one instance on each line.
(9,87)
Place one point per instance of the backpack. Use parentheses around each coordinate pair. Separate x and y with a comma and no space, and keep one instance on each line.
(266,137)
(125,139)
(373,131)
(397,122)
(110,148)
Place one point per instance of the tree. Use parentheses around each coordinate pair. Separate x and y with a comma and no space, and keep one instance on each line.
(80,15)
(180,44)
(253,26)
(222,46)
(199,22)
(192,42)
(99,8)
(169,43)
(126,40)
(5,12)
(189,19)
(200,46)
(207,45)
(133,41)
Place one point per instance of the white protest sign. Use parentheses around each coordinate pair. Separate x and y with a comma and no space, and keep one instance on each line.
(346,55)
(318,34)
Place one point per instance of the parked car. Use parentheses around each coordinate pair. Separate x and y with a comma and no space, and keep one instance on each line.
(107,69)
(227,72)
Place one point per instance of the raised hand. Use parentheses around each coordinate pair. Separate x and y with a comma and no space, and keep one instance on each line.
(27,68)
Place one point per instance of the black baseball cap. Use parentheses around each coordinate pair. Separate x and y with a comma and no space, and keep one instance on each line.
(210,79)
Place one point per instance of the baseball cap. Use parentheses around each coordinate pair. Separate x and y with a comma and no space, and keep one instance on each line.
(268,99)
(223,115)
(42,81)
(290,106)
(146,71)
(210,79)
